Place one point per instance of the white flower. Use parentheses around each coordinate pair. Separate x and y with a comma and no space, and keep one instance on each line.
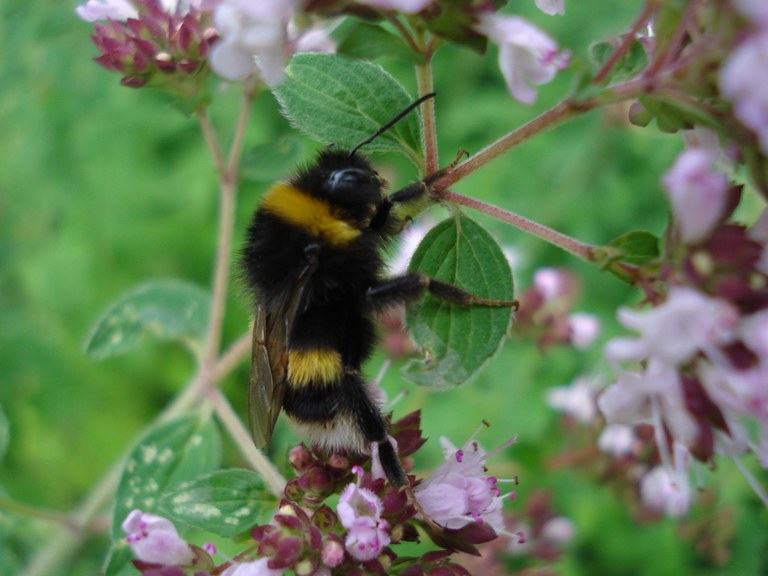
(256,568)
(118,10)
(617,440)
(526,54)
(551,7)
(584,329)
(252,33)
(155,540)
(742,82)
(669,491)
(697,193)
(675,330)
(405,6)
(576,400)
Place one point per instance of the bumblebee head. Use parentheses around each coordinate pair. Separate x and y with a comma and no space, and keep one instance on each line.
(348,182)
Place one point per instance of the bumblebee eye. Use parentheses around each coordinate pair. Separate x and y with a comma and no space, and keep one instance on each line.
(349,178)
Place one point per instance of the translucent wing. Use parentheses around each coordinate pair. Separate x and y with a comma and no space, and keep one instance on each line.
(269,359)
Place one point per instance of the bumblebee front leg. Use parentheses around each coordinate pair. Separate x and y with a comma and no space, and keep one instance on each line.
(412,286)
(410,193)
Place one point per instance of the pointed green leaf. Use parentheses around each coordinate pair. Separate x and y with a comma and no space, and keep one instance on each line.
(165,457)
(226,502)
(458,340)
(341,101)
(166,309)
(637,247)
(627,66)
(118,561)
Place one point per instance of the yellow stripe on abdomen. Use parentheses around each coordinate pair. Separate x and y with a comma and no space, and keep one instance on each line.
(311,214)
(314,366)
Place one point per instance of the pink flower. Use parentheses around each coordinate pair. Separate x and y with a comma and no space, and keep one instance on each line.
(252,33)
(258,567)
(359,511)
(458,492)
(526,54)
(405,6)
(673,331)
(697,193)
(553,283)
(551,7)
(740,82)
(155,540)
(118,10)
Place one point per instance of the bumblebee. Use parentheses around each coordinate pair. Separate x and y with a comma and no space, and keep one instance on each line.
(313,261)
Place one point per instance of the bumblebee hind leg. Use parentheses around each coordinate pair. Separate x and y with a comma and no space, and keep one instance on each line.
(412,286)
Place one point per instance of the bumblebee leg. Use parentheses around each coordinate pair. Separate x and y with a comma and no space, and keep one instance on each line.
(410,193)
(411,286)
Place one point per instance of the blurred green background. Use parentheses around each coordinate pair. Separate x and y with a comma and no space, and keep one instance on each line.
(103,187)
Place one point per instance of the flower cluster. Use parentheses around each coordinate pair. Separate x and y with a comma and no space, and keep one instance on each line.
(698,368)
(307,536)
(545,312)
(152,43)
(738,81)
(239,38)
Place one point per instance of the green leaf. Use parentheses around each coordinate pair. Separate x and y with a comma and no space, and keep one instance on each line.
(458,340)
(226,502)
(167,456)
(370,41)
(5,433)
(341,101)
(626,67)
(165,309)
(637,247)
(118,561)
(272,161)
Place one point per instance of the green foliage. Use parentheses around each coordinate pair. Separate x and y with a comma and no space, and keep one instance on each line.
(167,456)
(359,39)
(225,502)
(165,309)
(341,101)
(456,340)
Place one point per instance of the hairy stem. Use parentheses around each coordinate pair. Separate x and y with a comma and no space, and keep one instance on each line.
(425,83)
(583,251)
(244,443)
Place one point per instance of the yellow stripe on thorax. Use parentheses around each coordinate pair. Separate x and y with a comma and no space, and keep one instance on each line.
(311,214)
(314,366)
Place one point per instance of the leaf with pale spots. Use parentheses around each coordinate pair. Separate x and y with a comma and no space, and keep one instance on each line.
(166,309)
(226,502)
(166,457)
(458,340)
(342,101)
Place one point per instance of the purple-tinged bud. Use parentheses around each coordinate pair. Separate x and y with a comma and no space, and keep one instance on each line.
(300,458)
(332,553)
(164,62)
(134,81)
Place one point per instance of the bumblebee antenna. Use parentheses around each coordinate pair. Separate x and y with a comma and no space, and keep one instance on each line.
(392,122)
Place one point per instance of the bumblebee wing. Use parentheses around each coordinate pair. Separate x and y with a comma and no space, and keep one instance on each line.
(269,360)
(262,413)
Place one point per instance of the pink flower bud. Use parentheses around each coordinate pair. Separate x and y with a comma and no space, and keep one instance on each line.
(155,540)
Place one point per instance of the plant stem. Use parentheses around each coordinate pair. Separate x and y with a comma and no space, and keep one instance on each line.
(243,441)
(227,192)
(627,40)
(563,111)
(583,251)
(425,84)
